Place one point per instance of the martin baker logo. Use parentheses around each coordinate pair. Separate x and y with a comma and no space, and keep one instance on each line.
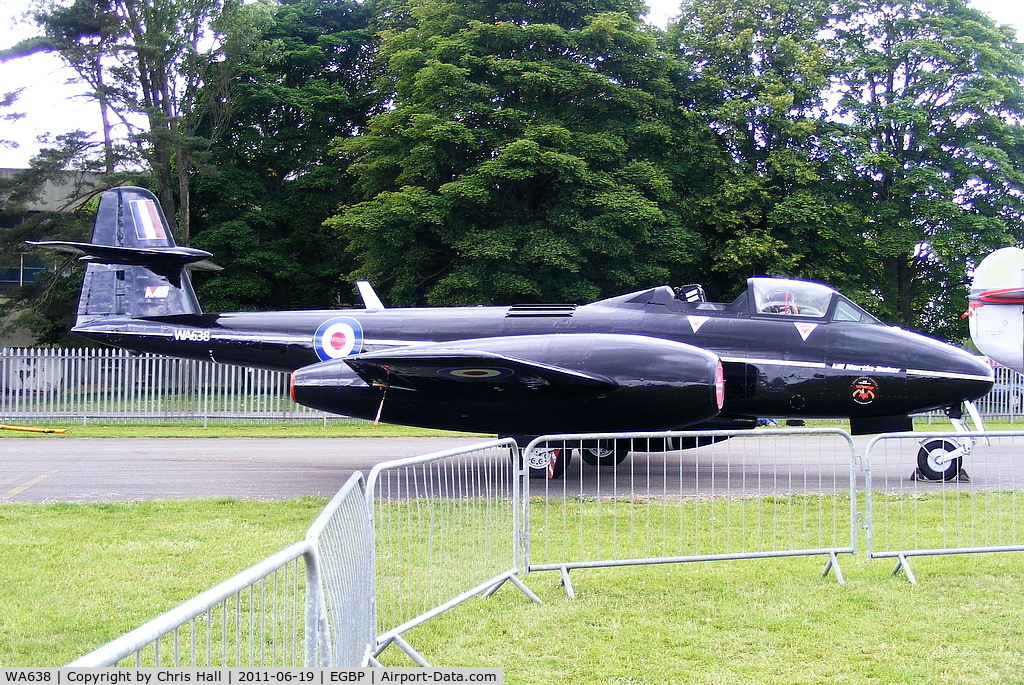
(864,390)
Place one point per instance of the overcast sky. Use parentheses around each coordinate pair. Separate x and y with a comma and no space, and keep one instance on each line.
(51,104)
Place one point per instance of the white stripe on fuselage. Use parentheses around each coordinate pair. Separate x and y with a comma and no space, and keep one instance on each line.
(860,369)
(775,362)
(379,343)
(947,374)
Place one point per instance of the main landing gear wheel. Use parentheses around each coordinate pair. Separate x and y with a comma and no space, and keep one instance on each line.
(548,462)
(606,453)
(934,462)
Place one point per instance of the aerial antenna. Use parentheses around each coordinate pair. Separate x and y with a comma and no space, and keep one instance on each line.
(369,296)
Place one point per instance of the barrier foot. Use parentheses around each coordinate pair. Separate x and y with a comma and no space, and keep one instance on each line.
(525,590)
(567,584)
(904,565)
(413,654)
(515,581)
(833,565)
(489,592)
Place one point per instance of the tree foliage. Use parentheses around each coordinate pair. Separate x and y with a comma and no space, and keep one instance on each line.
(269,183)
(931,91)
(500,150)
(518,162)
(757,74)
(150,59)
(871,145)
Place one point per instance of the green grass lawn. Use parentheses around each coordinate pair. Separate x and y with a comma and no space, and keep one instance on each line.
(772,621)
(750,621)
(269,429)
(74,576)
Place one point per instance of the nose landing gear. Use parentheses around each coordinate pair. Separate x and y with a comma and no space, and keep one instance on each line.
(942,459)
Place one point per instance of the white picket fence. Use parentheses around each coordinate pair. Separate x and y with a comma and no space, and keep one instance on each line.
(103,385)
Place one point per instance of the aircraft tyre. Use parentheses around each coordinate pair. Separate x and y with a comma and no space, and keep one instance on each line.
(548,462)
(933,463)
(605,453)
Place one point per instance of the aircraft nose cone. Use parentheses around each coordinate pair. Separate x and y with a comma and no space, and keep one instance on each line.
(948,374)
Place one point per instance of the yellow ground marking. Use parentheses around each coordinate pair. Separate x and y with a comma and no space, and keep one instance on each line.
(14,492)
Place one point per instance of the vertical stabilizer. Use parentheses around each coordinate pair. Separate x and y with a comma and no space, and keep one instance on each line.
(134,267)
(131,218)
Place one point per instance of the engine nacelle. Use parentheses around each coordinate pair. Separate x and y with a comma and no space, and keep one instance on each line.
(996,313)
(523,385)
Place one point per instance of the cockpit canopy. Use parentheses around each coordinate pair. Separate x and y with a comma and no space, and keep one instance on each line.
(765,297)
(790,297)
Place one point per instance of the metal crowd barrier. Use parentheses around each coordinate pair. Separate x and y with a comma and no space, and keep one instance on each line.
(309,605)
(429,533)
(980,509)
(729,495)
(341,556)
(444,530)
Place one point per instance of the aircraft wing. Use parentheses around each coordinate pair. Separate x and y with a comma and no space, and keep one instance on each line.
(472,373)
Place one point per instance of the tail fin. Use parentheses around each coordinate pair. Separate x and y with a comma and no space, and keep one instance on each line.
(134,267)
(997,307)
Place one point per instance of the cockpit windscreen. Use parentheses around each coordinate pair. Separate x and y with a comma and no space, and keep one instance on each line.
(790,297)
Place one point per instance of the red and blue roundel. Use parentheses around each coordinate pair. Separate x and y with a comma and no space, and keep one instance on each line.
(338,337)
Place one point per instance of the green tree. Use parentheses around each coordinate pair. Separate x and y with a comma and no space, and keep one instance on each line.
(269,182)
(757,74)
(8,113)
(149,58)
(518,161)
(81,33)
(45,306)
(931,101)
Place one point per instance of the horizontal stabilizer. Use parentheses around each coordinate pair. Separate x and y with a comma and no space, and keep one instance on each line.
(161,257)
(466,372)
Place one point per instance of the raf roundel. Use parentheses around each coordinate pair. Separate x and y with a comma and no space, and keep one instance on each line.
(476,373)
(338,337)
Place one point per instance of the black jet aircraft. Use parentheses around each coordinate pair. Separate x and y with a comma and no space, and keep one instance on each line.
(656,359)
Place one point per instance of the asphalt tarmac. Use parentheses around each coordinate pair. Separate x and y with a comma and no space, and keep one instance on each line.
(60,469)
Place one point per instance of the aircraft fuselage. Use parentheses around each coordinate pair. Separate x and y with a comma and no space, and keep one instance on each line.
(651,360)
(774,365)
